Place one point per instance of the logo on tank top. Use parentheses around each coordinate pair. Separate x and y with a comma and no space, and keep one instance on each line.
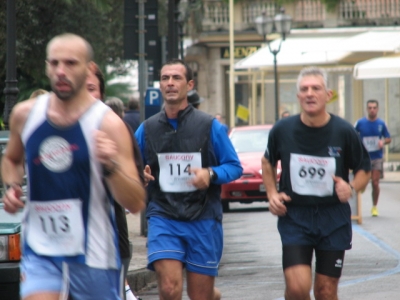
(55,153)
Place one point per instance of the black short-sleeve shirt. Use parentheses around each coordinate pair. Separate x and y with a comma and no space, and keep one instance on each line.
(311,155)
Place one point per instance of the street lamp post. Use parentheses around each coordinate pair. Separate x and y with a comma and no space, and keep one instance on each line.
(11,88)
(181,34)
(265,26)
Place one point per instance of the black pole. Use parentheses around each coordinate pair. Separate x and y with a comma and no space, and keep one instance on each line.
(181,39)
(11,88)
(275,53)
(172,44)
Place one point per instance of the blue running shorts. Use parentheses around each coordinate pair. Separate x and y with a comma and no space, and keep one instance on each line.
(197,244)
(45,274)
(324,227)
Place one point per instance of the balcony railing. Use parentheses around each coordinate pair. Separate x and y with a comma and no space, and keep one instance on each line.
(216,15)
(252,9)
(307,13)
(371,11)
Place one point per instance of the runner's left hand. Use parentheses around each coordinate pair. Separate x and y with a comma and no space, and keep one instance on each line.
(342,188)
(201,178)
(105,148)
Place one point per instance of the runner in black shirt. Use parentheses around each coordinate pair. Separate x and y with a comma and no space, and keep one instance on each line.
(317,150)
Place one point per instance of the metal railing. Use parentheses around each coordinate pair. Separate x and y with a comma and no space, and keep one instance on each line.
(369,9)
(216,13)
(307,12)
(253,9)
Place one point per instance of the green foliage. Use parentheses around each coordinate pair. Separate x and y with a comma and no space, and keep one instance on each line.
(331,4)
(98,21)
(114,88)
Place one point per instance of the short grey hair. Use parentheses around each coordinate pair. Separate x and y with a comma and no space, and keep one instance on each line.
(312,71)
(116,105)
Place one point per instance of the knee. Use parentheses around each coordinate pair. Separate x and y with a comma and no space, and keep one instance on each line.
(170,289)
(297,292)
(375,184)
(325,292)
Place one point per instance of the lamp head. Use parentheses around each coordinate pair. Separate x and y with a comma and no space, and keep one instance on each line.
(283,23)
(264,24)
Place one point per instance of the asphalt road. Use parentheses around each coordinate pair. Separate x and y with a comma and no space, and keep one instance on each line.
(251,264)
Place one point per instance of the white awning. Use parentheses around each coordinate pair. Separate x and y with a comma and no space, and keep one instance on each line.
(321,49)
(296,51)
(382,67)
(372,41)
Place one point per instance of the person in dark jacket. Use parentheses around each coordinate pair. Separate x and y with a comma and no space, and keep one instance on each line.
(187,155)
(132,115)
(194,98)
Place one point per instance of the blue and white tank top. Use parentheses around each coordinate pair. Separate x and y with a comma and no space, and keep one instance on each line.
(69,215)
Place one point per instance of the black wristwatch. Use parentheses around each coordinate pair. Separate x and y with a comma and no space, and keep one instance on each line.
(213,175)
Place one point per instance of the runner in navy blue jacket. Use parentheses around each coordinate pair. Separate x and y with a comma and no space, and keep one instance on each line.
(188,155)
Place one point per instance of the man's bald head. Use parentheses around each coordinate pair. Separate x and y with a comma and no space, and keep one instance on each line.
(70,37)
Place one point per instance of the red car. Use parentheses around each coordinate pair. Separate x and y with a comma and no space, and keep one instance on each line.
(250,143)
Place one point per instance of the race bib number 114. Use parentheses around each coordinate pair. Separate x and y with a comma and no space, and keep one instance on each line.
(175,171)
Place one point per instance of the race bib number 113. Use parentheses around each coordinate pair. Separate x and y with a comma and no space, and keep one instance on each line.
(56,227)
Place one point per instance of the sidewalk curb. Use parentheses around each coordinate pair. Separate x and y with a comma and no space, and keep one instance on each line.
(141,278)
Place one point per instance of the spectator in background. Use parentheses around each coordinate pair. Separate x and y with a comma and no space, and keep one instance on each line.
(285,114)
(95,83)
(37,92)
(132,115)
(116,105)
(96,87)
(194,98)
(219,119)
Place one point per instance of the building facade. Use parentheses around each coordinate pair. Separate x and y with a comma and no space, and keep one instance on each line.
(336,39)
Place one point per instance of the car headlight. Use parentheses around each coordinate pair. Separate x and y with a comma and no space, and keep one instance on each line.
(10,248)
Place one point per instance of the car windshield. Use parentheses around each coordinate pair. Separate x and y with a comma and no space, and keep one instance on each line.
(250,140)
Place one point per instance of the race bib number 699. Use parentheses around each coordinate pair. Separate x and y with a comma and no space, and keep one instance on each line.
(312,175)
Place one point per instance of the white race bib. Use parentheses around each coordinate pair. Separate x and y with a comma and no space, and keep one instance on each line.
(175,175)
(312,175)
(371,143)
(56,227)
